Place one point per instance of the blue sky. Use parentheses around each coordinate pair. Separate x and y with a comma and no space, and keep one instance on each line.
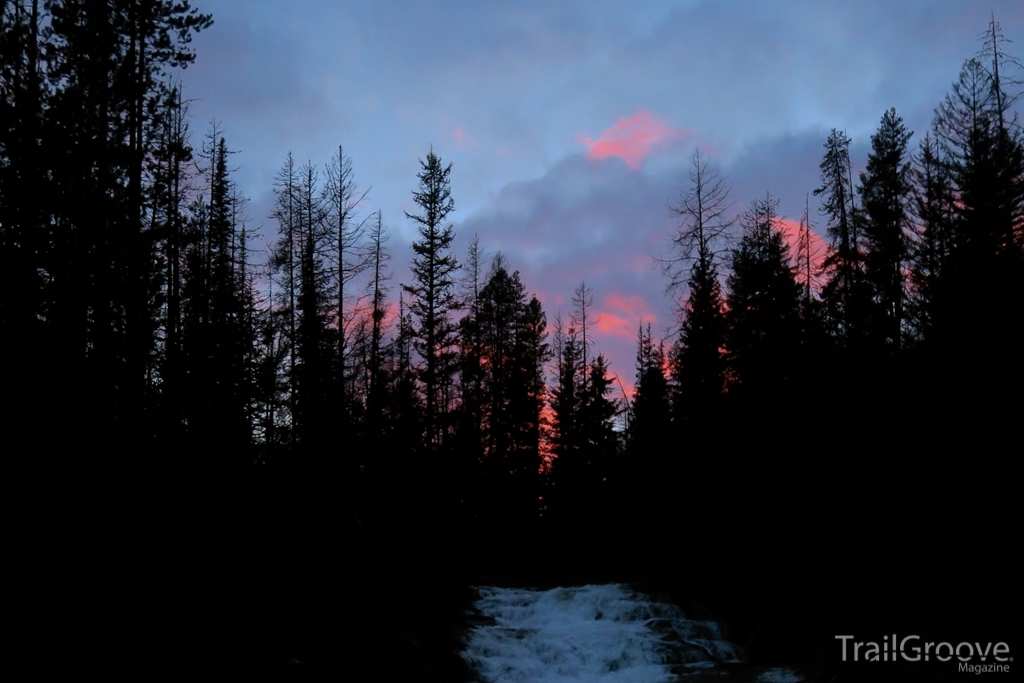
(570,124)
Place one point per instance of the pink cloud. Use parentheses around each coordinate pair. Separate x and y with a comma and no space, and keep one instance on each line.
(632,139)
(462,139)
(621,314)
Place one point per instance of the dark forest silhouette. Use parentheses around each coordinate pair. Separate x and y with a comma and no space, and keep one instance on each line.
(247,440)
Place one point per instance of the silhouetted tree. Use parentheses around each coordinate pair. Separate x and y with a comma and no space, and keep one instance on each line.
(581,318)
(985,159)
(434,294)
(513,355)
(217,333)
(884,190)
(570,467)
(843,294)
(934,207)
(698,370)
(651,409)
(763,305)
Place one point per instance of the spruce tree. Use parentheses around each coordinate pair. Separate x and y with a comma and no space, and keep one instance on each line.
(433,291)
(933,205)
(763,304)
(698,366)
(513,356)
(698,363)
(843,294)
(885,190)
(648,464)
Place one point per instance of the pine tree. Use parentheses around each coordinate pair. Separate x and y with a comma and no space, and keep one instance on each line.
(107,69)
(933,207)
(698,365)
(434,299)
(313,342)
(217,337)
(884,190)
(763,304)
(649,465)
(379,258)
(651,411)
(285,277)
(567,398)
(597,421)
(985,159)
(470,435)
(698,362)
(171,172)
(513,356)
(843,293)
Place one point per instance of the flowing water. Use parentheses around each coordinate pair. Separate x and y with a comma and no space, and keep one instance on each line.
(607,633)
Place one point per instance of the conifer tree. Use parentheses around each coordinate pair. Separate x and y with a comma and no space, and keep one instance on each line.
(843,294)
(597,420)
(763,303)
(313,342)
(433,293)
(651,413)
(513,356)
(698,366)
(933,207)
(884,190)
(985,160)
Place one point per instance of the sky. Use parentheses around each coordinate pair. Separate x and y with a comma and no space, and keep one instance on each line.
(570,125)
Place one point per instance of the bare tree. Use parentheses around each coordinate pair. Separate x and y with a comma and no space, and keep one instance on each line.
(704,222)
(582,301)
(806,255)
(342,202)
(379,257)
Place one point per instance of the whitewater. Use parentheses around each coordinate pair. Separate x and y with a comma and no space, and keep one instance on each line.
(602,633)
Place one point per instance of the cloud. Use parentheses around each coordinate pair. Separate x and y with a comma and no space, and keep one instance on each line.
(633,138)
(621,313)
(461,138)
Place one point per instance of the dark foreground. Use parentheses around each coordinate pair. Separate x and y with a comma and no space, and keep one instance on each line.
(290,582)
(137,571)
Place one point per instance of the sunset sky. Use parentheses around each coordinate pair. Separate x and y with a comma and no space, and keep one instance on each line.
(570,124)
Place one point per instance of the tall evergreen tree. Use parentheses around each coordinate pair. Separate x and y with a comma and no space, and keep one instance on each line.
(216,338)
(597,420)
(570,471)
(843,293)
(763,304)
(314,341)
(985,159)
(885,190)
(171,172)
(698,366)
(933,206)
(651,410)
(434,299)
(513,356)
(649,465)
(107,69)
(285,277)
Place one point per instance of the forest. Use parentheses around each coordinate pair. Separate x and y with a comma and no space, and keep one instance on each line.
(246,449)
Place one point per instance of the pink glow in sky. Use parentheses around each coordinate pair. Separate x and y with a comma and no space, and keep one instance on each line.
(791,231)
(620,315)
(632,139)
